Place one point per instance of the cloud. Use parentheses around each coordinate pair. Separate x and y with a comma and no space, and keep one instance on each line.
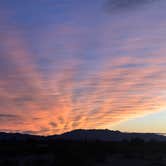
(53,124)
(9,117)
(125,5)
(72,76)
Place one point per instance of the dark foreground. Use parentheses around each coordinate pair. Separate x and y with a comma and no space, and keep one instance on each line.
(82,153)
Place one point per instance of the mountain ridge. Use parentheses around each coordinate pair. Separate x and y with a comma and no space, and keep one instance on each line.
(86,135)
(106,135)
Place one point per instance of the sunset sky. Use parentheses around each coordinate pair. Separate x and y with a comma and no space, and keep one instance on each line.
(82,64)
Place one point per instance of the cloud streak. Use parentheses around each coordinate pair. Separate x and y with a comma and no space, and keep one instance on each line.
(91,74)
(124,5)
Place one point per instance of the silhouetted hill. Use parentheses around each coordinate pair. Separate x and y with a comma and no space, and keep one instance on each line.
(86,135)
(107,135)
(83,148)
(18,137)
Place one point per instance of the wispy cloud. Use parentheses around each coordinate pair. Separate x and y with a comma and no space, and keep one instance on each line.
(69,75)
(124,5)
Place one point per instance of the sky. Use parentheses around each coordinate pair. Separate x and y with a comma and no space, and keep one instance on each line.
(91,64)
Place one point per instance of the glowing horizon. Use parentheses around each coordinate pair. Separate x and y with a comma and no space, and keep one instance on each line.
(75,64)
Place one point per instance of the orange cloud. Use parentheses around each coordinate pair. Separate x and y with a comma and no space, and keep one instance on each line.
(81,78)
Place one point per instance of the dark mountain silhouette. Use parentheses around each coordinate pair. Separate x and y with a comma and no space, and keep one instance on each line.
(83,148)
(87,135)
(18,137)
(106,135)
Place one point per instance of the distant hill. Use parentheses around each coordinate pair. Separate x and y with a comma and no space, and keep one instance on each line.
(83,148)
(86,135)
(107,135)
(18,137)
